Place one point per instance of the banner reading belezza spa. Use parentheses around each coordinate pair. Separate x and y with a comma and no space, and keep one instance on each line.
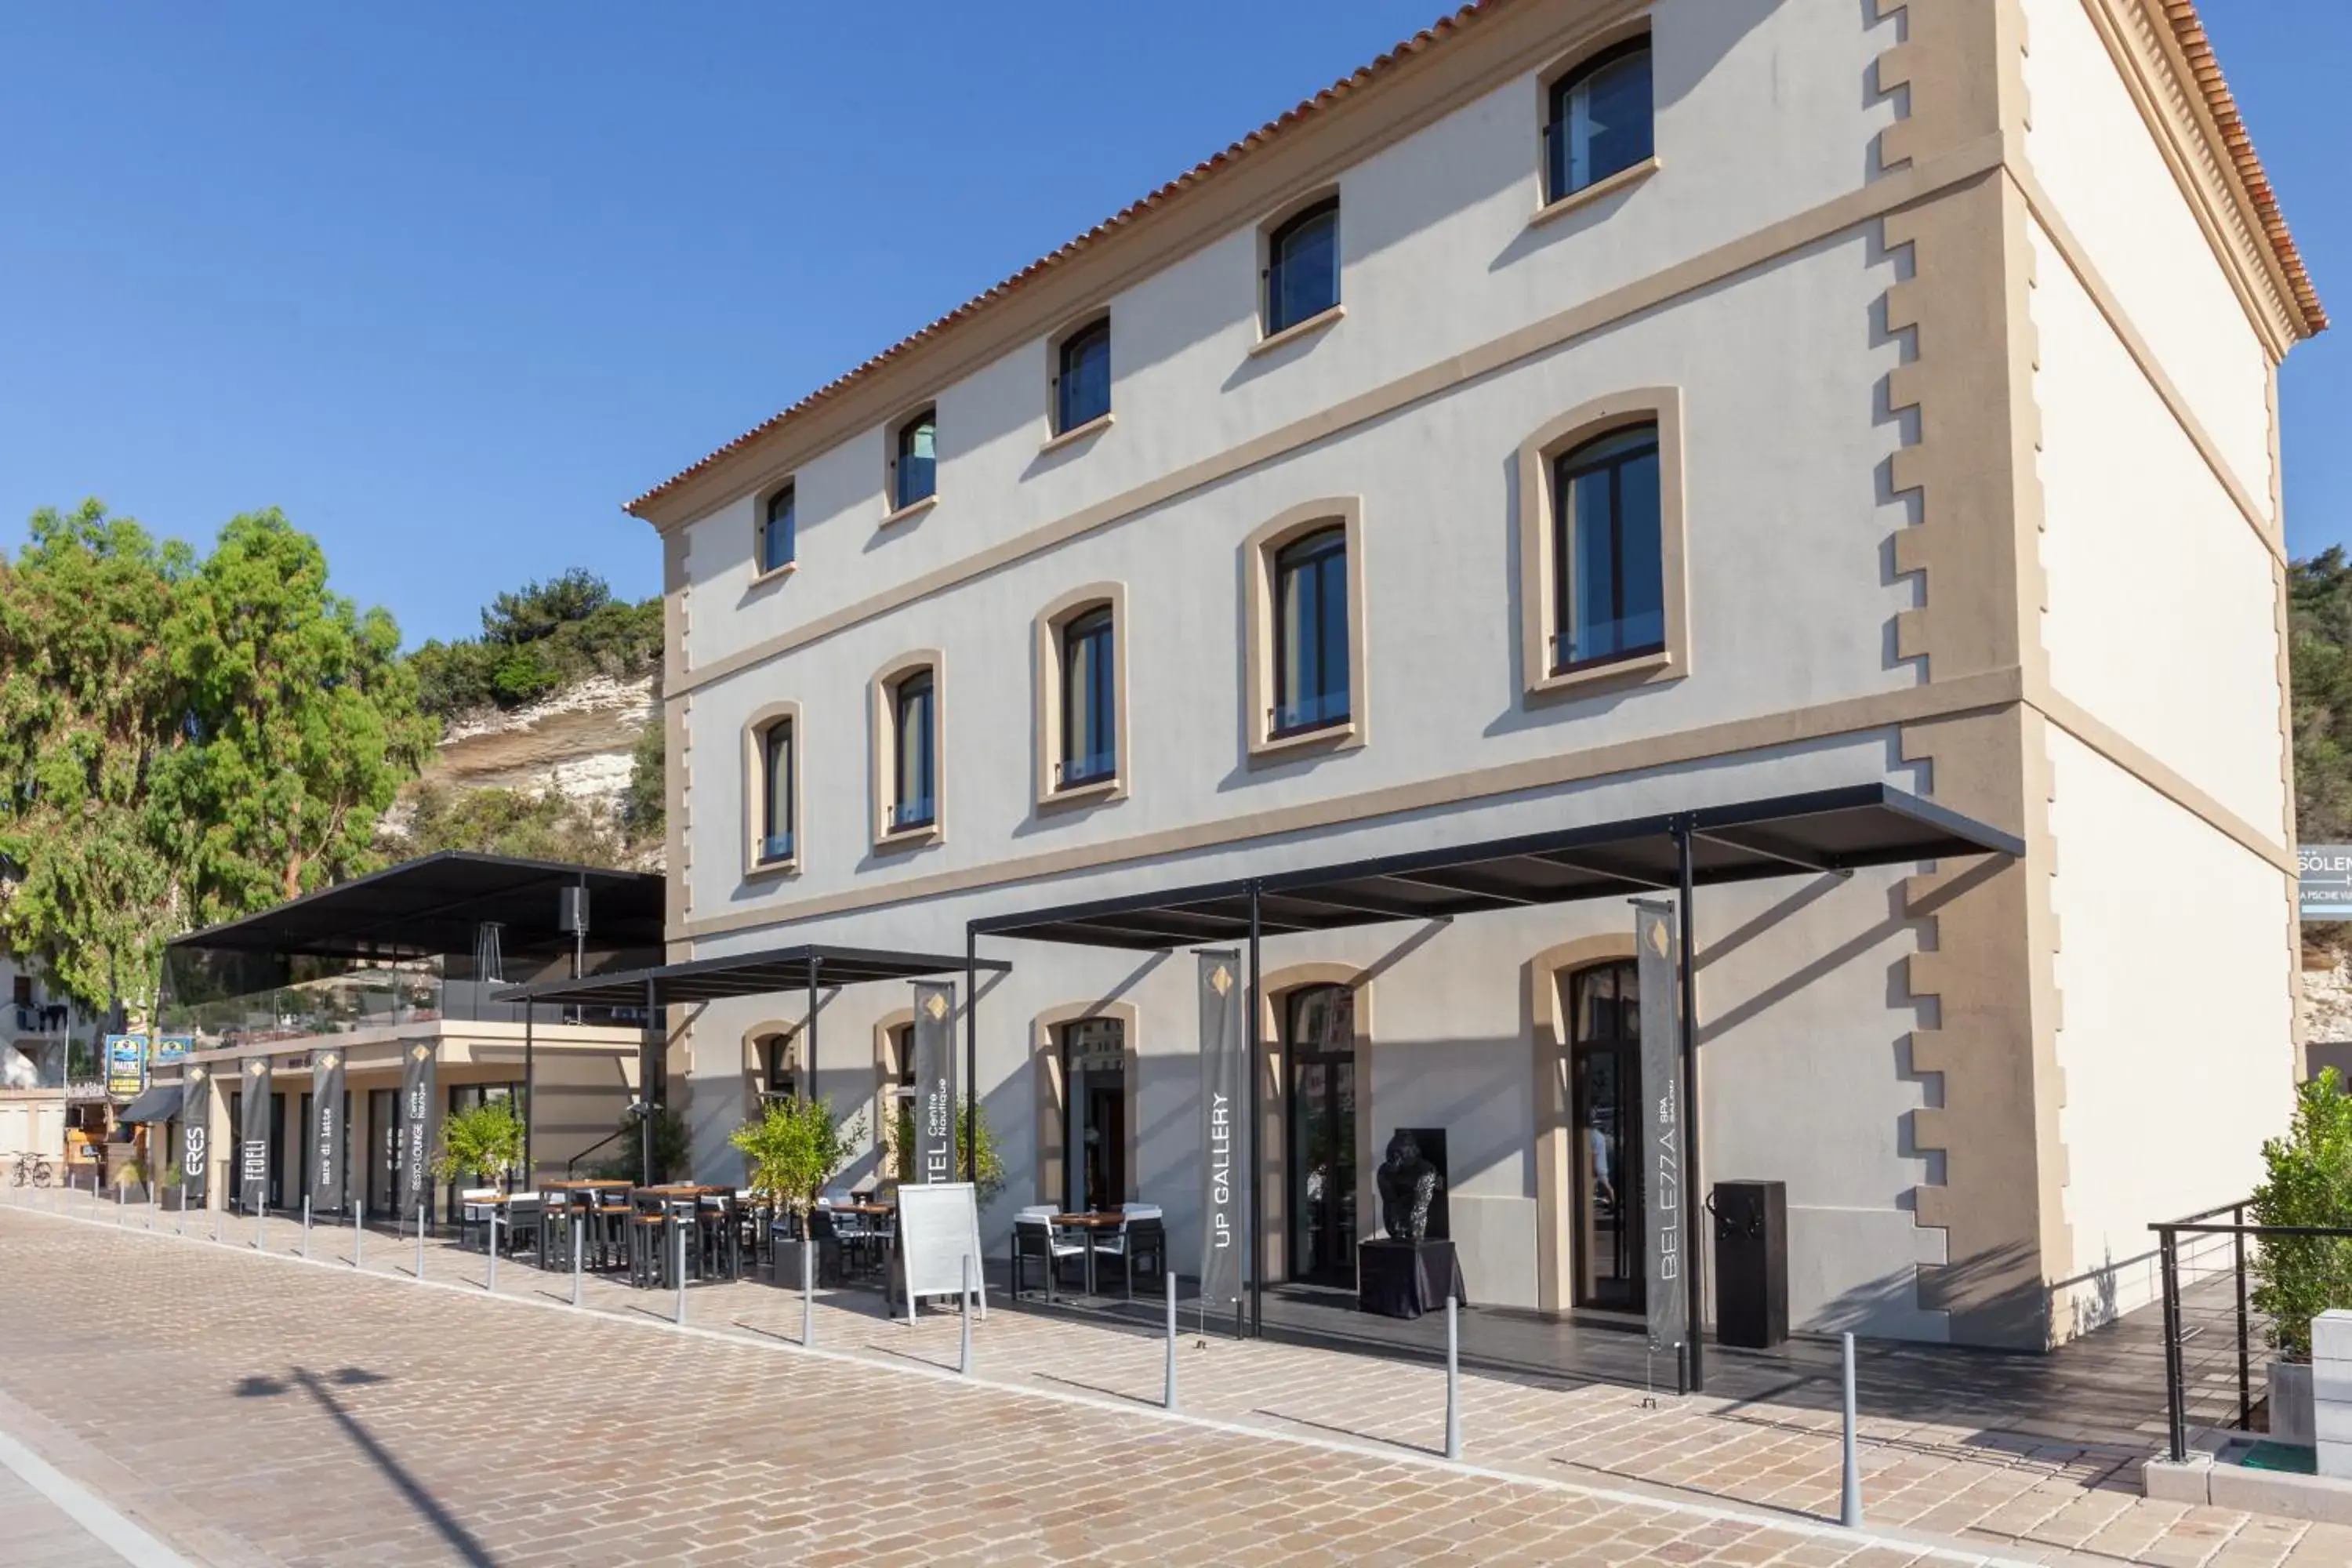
(195,1135)
(1224,1126)
(328,1156)
(935,1085)
(1654,1145)
(253,1137)
(416,1076)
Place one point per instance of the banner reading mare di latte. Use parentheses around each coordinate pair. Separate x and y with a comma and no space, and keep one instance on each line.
(935,1082)
(196,1135)
(1224,1126)
(328,1158)
(253,1138)
(417,1074)
(1653,1145)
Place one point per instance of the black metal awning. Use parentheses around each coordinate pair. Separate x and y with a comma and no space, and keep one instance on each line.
(158,1103)
(1831,831)
(435,904)
(748,974)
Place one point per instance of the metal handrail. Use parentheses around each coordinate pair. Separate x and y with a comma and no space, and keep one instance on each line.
(571,1166)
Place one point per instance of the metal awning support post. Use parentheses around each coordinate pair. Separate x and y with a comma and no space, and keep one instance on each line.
(1257,1165)
(971,1054)
(530,1170)
(808,1073)
(646,1088)
(1693,1245)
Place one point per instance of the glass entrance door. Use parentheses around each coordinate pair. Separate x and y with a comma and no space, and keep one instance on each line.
(1605,1078)
(1319,1057)
(384,1163)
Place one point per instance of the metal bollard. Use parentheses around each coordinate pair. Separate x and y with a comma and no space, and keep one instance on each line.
(577,1230)
(118,1210)
(808,1292)
(491,1279)
(1168,1397)
(180,1225)
(154,1202)
(420,1241)
(679,1315)
(963,1302)
(1850,1491)
(359,1234)
(1453,1377)
(306,1227)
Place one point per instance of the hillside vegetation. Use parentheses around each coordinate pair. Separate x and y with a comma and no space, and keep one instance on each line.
(536,640)
(2319,601)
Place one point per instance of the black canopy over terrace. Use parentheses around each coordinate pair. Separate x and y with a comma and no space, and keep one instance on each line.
(1831,832)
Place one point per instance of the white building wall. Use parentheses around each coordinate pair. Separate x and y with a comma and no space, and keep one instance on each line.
(2161,615)
(2094,155)
(2177,1045)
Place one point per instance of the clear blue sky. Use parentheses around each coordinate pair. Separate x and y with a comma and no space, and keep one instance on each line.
(448,283)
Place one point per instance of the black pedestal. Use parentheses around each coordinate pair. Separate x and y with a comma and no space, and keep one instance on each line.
(1403,1280)
(1751,1264)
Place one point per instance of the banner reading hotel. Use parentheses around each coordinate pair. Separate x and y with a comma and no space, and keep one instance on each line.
(328,1158)
(935,1085)
(1224,1125)
(253,1138)
(1653,1146)
(195,1135)
(417,1074)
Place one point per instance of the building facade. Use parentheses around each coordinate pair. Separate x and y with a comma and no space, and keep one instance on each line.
(1591,410)
(44,1038)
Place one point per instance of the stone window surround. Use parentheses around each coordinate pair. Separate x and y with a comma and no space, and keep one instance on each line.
(882,761)
(1257,580)
(755,789)
(1055,436)
(1046,722)
(1306,325)
(892,513)
(1548,206)
(1537,593)
(760,574)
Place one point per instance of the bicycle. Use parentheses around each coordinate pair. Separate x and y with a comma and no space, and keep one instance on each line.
(32,1170)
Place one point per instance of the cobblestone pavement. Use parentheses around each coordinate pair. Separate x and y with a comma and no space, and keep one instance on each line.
(424,1424)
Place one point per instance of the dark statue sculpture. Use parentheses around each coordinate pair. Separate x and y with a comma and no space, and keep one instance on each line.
(1408,1185)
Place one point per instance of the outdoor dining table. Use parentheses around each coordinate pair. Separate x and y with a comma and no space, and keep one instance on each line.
(1110,1220)
(590,1192)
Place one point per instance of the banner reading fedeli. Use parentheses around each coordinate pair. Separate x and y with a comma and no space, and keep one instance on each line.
(416,1076)
(253,1137)
(935,1084)
(1654,1146)
(195,1135)
(328,1156)
(1224,1126)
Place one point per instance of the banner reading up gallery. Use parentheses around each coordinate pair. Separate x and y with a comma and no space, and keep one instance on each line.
(1225,1119)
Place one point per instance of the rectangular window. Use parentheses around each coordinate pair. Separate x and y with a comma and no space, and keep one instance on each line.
(914,801)
(1082,382)
(1610,595)
(776,542)
(776,793)
(1600,120)
(1089,700)
(914,471)
(1310,632)
(1302,267)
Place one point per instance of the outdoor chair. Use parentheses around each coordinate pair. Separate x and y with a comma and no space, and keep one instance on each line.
(523,1226)
(1141,1235)
(474,1212)
(854,1235)
(718,1236)
(1035,1237)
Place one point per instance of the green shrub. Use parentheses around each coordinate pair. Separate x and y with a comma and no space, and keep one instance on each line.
(901,1143)
(483,1141)
(2309,1182)
(792,1148)
(624,1165)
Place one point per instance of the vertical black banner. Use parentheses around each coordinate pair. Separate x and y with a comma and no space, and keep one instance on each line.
(197,1134)
(1224,1130)
(253,1138)
(416,1075)
(1656,1141)
(328,1159)
(935,1085)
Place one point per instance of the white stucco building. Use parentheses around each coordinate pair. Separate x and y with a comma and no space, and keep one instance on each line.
(1589,412)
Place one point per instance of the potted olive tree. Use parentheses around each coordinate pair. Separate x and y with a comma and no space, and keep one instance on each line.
(484,1141)
(2307,1182)
(791,1150)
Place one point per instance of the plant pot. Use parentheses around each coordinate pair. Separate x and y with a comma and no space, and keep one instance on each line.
(2291,1414)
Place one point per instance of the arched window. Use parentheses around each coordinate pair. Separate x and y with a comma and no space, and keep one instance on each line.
(1089,700)
(914,462)
(1302,267)
(776,532)
(914,801)
(1082,377)
(1604,1012)
(779,1078)
(1609,588)
(1600,119)
(777,783)
(1319,1047)
(1310,632)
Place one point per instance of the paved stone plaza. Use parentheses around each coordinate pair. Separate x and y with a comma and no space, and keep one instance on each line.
(250,1409)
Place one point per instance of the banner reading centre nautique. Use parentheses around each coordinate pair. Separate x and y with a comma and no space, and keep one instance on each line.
(195,1136)
(1653,1146)
(1224,1146)
(327,1132)
(416,1125)
(253,1138)
(935,1096)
